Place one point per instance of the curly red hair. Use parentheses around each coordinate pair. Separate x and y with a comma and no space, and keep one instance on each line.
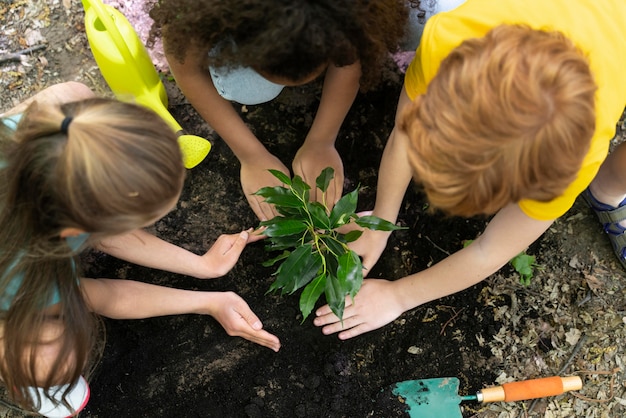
(509,116)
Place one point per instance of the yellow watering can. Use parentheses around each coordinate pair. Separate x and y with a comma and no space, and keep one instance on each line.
(129,72)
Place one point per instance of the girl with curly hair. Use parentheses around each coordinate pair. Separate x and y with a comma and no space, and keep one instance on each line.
(247,50)
(76,170)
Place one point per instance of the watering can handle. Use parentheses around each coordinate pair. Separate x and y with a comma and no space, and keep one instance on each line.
(530,389)
(112,29)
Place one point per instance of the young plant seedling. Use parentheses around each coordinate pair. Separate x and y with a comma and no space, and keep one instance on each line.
(525,265)
(315,256)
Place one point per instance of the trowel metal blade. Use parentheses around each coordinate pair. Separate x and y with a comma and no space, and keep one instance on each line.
(431,398)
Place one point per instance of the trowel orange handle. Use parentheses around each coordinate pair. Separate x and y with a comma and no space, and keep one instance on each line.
(530,389)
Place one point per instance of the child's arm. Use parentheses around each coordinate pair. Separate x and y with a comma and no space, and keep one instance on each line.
(394,176)
(145,249)
(70,91)
(127,299)
(194,80)
(341,85)
(380,302)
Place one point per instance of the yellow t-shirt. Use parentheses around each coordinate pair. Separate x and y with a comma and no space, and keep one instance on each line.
(595,26)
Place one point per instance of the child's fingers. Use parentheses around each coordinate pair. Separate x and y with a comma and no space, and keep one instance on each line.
(230,245)
(257,334)
(252,320)
(238,244)
(255,205)
(265,339)
(335,189)
(262,210)
(256,234)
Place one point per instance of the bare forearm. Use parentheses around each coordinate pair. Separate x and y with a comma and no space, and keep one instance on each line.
(393,178)
(453,274)
(341,85)
(70,91)
(509,233)
(197,86)
(140,247)
(395,171)
(127,299)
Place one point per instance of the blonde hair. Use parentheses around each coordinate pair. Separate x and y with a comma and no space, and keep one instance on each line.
(509,116)
(117,167)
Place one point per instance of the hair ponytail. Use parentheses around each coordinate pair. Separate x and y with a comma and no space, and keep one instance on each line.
(99,165)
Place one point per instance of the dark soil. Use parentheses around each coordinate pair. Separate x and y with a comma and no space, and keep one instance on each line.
(189,364)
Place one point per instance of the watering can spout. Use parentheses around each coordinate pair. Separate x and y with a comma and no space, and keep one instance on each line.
(128,70)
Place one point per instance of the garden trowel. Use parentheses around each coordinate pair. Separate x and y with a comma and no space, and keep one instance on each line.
(126,67)
(439,398)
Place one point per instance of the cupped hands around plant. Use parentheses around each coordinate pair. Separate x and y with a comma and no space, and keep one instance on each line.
(314,254)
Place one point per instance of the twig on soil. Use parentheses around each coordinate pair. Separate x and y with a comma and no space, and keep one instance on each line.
(575,351)
(436,246)
(523,289)
(17,56)
(456,314)
(611,385)
(586,299)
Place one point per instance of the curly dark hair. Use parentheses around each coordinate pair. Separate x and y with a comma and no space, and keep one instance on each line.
(286,38)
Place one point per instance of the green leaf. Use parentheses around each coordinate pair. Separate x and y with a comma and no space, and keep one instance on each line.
(279,196)
(344,209)
(300,188)
(289,241)
(350,273)
(294,266)
(291,212)
(352,235)
(524,264)
(270,191)
(377,224)
(323,180)
(332,263)
(467,242)
(318,215)
(274,220)
(335,247)
(335,298)
(310,269)
(310,294)
(281,176)
(276,259)
(280,227)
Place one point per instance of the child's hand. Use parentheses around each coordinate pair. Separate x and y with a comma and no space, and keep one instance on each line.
(255,175)
(369,247)
(374,306)
(225,252)
(311,159)
(234,314)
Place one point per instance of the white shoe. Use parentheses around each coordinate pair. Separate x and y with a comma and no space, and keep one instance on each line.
(77,399)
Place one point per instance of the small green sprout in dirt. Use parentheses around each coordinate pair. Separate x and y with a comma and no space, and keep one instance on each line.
(524,264)
(315,256)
